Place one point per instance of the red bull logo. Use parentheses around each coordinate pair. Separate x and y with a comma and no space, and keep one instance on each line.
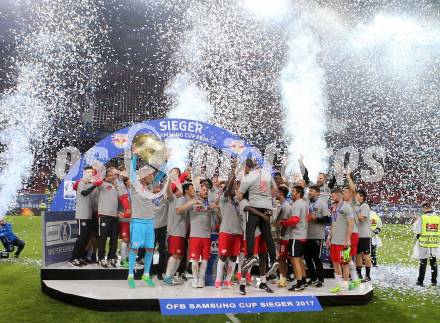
(431,227)
(119,140)
(236,146)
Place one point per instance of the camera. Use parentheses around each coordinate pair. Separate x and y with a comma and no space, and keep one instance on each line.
(4,255)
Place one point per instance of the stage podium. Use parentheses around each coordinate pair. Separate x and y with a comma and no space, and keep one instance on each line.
(106,289)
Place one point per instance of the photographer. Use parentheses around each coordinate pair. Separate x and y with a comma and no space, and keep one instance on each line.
(9,239)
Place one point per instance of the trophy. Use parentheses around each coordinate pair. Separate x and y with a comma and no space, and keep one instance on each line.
(151,152)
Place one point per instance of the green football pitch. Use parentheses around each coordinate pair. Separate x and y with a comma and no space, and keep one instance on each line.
(21,299)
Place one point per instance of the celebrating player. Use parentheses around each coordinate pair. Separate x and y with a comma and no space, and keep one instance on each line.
(284,213)
(142,220)
(83,214)
(298,236)
(200,212)
(108,218)
(260,185)
(178,221)
(339,239)
(364,245)
(319,216)
(230,234)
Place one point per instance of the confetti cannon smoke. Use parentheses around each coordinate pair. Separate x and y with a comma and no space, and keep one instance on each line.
(303,98)
(190,103)
(55,57)
(187,99)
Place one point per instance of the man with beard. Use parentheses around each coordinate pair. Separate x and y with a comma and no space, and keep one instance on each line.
(200,214)
(325,185)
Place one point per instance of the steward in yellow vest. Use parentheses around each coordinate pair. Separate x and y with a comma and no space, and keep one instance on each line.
(427,230)
(430,235)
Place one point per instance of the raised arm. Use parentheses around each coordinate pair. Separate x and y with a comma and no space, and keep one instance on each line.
(230,185)
(132,168)
(274,187)
(169,189)
(351,185)
(182,179)
(332,182)
(75,185)
(303,169)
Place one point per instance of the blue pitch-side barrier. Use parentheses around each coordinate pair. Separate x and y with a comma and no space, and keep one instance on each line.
(396,208)
(29,201)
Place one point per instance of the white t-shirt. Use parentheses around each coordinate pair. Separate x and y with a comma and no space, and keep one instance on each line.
(259,183)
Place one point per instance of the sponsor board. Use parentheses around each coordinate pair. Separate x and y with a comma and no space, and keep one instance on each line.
(199,306)
(68,191)
(60,230)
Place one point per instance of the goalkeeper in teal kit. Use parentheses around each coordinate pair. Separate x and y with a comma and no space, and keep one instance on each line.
(142,220)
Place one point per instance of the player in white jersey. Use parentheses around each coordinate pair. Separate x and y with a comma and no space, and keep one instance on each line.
(144,197)
(200,213)
(83,214)
(349,196)
(108,218)
(339,239)
(364,246)
(284,213)
(297,224)
(178,223)
(229,236)
(123,185)
(319,216)
(260,185)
